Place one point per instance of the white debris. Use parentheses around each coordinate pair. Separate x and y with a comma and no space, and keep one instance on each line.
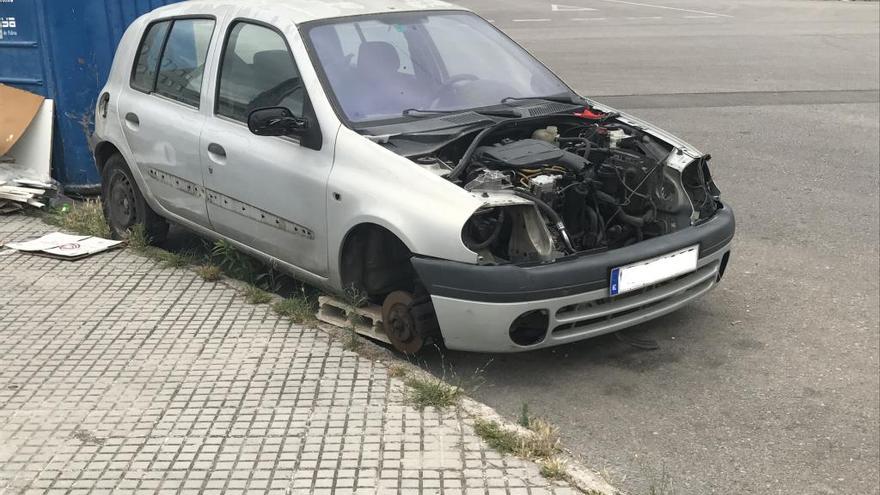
(65,246)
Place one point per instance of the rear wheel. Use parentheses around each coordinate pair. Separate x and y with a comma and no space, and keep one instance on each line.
(125,206)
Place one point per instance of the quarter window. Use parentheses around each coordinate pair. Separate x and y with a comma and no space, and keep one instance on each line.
(183,61)
(146,65)
(257,71)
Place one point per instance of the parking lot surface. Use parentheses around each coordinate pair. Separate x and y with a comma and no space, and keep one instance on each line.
(769,384)
(120,376)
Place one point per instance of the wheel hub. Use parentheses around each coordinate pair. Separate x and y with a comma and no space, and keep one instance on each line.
(400,326)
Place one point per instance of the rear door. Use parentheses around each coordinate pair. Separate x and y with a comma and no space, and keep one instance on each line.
(266,192)
(161,116)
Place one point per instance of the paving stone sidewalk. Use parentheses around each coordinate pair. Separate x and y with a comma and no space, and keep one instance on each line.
(118,375)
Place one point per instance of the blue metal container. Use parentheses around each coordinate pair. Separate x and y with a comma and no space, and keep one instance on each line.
(63,49)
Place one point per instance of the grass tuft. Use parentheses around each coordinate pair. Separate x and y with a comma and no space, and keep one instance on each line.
(351,341)
(396,371)
(300,308)
(138,239)
(541,442)
(544,441)
(554,468)
(432,392)
(175,260)
(497,437)
(255,295)
(524,419)
(86,218)
(211,273)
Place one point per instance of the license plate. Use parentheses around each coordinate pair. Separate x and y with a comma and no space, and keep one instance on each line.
(644,273)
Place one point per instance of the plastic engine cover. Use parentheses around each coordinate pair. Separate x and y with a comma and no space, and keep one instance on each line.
(525,153)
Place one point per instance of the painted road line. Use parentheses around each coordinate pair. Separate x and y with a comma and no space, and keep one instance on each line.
(665,7)
(531,20)
(568,8)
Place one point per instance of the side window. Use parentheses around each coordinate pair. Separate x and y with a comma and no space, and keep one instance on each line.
(257,71)
(183,61)
(146,64)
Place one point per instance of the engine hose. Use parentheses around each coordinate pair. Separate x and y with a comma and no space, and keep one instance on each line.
(469,153)
(635,221)
(593,222)
(493,236)
(554,217)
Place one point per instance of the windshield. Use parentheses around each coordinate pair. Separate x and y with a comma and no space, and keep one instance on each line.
(379,66)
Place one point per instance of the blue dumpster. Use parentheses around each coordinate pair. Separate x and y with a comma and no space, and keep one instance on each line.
(63,49)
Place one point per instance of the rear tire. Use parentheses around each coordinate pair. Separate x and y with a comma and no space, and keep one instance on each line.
(124,204)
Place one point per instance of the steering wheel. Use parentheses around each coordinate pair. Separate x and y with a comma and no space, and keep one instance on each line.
(448,88)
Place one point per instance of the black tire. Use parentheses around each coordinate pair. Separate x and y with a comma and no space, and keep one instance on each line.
(125,206)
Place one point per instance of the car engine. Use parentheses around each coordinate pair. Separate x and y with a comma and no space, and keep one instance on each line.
(579,185)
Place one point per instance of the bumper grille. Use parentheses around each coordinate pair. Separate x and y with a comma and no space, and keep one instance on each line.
(611,313)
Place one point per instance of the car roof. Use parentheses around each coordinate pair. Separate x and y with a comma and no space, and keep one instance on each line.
(300,11)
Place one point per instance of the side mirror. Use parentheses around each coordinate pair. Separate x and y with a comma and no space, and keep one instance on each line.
(277,121)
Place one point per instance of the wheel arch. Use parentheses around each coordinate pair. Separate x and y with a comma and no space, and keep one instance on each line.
(103,151)
(374,259)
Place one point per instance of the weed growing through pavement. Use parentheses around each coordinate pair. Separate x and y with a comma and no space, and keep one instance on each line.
(554,468)
(299,308)
(498,437)
(175,260)
(354,299)
(232,261)
(86,218)
(540,442)
(524,418)
(661,483)
(138,239)
(432,392)
(255,295)
(210,273)
(396,371)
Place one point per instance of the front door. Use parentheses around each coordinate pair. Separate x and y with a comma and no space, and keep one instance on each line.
(266,192)
(160,113)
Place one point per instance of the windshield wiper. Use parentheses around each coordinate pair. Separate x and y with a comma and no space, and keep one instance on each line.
(502,112)
(560,98)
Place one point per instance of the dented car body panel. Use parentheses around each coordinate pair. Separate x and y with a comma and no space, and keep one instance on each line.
(341,143)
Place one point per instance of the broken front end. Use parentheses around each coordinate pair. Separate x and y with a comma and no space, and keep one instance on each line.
(591,222)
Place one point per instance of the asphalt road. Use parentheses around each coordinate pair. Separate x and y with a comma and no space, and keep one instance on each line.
(771,383)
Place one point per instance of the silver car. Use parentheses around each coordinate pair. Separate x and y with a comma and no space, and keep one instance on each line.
(410,151)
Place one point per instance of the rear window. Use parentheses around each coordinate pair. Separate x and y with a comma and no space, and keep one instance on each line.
(171,59)
(146,65)
(183,61)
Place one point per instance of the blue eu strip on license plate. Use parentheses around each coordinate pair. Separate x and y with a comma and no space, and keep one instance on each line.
(615,281)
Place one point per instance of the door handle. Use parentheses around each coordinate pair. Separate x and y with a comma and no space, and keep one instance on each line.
(217,150)
(133,118)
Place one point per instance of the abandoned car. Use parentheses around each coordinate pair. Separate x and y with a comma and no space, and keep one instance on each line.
(409,151)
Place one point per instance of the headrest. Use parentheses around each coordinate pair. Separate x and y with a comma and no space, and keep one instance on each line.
(378,57)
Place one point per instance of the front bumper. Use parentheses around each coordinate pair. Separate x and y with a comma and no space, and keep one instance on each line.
(477,304)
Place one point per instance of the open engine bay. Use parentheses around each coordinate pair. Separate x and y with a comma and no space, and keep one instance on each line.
(568,184)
